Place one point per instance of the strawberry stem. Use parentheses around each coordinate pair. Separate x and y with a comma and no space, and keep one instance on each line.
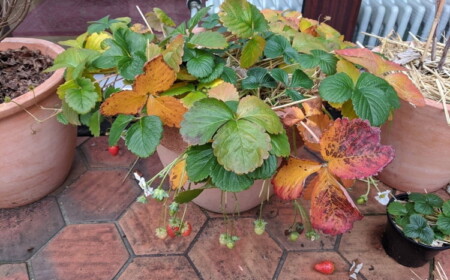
(310,232)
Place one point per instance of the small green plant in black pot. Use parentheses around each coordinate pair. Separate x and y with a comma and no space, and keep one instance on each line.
(418,228)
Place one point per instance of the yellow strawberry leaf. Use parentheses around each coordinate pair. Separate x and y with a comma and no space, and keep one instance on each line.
(178,175)
(225,92)
(290,179)
(124,102)
(405,88)
(95,40)
(153,50)
(169,109)
(343,66)
(174,52)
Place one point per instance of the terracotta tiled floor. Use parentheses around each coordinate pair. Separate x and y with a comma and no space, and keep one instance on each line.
(92,228)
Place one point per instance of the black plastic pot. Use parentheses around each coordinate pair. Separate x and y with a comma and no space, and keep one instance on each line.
(405,250)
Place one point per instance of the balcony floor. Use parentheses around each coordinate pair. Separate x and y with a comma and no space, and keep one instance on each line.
(92,228)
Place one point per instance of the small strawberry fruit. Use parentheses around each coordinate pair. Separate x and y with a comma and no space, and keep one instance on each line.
(172,231)
(293,236)
(325,267)
(260,226)
(223,239)
(113,150)
(161,233)
(362,200)
(230,244)
(186,230)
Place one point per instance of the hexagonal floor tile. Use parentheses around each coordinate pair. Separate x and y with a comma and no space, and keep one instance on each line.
(253,257)
(78,168)
(141,220)
(96,152)
(280,215)
(92,251)
(372,206)
(145,268)
(98,195)
(364,243)
(442,260)
(149,167)
(24,230)
(300,265)
(13,271)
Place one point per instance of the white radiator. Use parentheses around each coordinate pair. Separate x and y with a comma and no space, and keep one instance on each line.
(377,17)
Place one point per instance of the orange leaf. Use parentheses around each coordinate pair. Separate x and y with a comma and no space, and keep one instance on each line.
(313,107)
(405,88)
(291,115)
(178,175)
(225,92)
(157,77)
(289,181)
(332,210)
(308,189)
(374,63)
(353,149)
(125,102)
(317,124)
(169,109)
(308,26)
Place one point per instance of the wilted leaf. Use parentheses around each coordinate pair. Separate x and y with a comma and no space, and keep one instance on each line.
(332,210)
(255,110)
(242,18)
(353,149)
(163,17)
(291,115)
(157,77)
(178,175)
(374,63)
(317,124)
(125,102)
(225,92)
(168,108)
(405,88)
(290,179)
(173,53)
(313,107)
(241,146)
(252,51)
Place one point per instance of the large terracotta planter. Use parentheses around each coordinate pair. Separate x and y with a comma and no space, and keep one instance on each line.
(172,145)
(421,139)
(35,156)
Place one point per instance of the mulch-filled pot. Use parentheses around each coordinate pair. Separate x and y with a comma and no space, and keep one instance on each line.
(403,249)
(36,156)
(172,145)
(421,139)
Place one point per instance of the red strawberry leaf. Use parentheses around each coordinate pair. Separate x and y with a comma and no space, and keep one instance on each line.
(332,210)
(353,150)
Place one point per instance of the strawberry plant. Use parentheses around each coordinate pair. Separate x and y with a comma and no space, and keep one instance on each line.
(231,82)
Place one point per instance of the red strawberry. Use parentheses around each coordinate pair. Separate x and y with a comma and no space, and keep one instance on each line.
(186,230)
(113,150)
(172,231)
(325,267)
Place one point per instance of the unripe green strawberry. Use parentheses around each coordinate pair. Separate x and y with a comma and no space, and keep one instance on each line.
(223,239)
(161,233)
(293,236)
(361,200)
(230,244)
(260,226)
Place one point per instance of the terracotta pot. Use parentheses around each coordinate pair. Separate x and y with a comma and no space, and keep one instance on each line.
(35,156)
(421,139)
(172,145)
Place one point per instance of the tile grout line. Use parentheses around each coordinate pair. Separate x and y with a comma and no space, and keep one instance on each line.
(280,264)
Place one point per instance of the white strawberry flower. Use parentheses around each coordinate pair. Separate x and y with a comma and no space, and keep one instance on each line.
(383,197)
(148,191)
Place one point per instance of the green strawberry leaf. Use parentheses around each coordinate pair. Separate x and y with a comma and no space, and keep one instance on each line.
(216,72)
(241,146)
(100,25)
(265,171)
(193,97)
(255,110)
(229,75)
(252,51)
(242,18)
(258,77)
(210,21)
(73,58)
(277,46)
(209,39)
(326,61)
(187,196)
(280,145)
(117,127)
(144,135)
(131,66)
(418,228)
(229,181)
(94,123)
(396,208)
(300,79)
(337,88)
(83,97)
(203,119)
(280,75)
(201,64)
(425,204)
(446,208)
(443,224)
(199,161)
(294,95)
(369,100)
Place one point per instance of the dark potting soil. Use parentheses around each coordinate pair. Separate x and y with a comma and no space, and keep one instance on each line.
(21,70)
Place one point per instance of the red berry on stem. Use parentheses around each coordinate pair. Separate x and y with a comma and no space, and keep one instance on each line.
(186,230)
(172,231)
(325,267)
(113,150)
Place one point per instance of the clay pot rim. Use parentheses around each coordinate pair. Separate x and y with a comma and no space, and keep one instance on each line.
(40,92)
(435,104)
